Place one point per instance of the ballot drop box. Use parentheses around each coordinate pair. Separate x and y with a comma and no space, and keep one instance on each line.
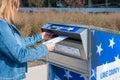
(83,53)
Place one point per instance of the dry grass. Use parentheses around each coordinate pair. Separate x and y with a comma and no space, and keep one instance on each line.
(31,22)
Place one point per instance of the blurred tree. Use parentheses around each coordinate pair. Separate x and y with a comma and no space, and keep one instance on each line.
(75,3)
(37,3)
(53,3)
(24,3)
(69,3)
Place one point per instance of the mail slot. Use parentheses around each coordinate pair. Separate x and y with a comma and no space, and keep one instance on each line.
(72,51)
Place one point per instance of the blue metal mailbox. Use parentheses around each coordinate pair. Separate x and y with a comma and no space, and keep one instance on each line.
(88,53)
(105,59)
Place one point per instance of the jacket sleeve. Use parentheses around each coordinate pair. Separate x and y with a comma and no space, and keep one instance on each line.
(15,51)
(29,41)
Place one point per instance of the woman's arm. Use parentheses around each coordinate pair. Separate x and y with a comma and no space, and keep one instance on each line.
(37,38)
(15,51)
(29,41)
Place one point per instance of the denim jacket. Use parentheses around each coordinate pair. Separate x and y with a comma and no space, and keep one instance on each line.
(14,53)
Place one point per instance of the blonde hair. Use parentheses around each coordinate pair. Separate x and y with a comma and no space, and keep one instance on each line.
(8,9)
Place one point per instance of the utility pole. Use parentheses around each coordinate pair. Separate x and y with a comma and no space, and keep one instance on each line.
(106,3)
(89,3)
(59,3)
(49,3)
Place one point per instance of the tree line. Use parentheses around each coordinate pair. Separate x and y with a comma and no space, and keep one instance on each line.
(70,3)
(53,3)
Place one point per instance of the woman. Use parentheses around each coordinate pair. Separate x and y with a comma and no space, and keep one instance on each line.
(14,54)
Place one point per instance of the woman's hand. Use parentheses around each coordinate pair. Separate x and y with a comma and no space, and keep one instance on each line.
(50,46)
(46,35)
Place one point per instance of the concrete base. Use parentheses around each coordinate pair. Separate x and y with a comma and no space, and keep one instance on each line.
(37,73)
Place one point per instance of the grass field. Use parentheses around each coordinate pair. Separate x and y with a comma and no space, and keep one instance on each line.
(32,21)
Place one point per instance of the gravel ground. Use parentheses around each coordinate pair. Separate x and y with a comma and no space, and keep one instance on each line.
(35,63)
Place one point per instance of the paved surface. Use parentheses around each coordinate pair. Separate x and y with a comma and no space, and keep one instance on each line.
(37,73)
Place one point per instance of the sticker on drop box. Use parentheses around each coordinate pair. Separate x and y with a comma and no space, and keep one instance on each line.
(67,49)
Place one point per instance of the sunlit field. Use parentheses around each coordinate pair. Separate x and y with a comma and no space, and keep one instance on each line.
(32,21)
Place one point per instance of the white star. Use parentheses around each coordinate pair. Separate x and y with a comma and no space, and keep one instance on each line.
(60,28)
(93,32)
(117,60)
(99,49)
(93,73)
(56,77)
(83,76)
(111,43)
(105,67)
(70,29)
(67,75)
